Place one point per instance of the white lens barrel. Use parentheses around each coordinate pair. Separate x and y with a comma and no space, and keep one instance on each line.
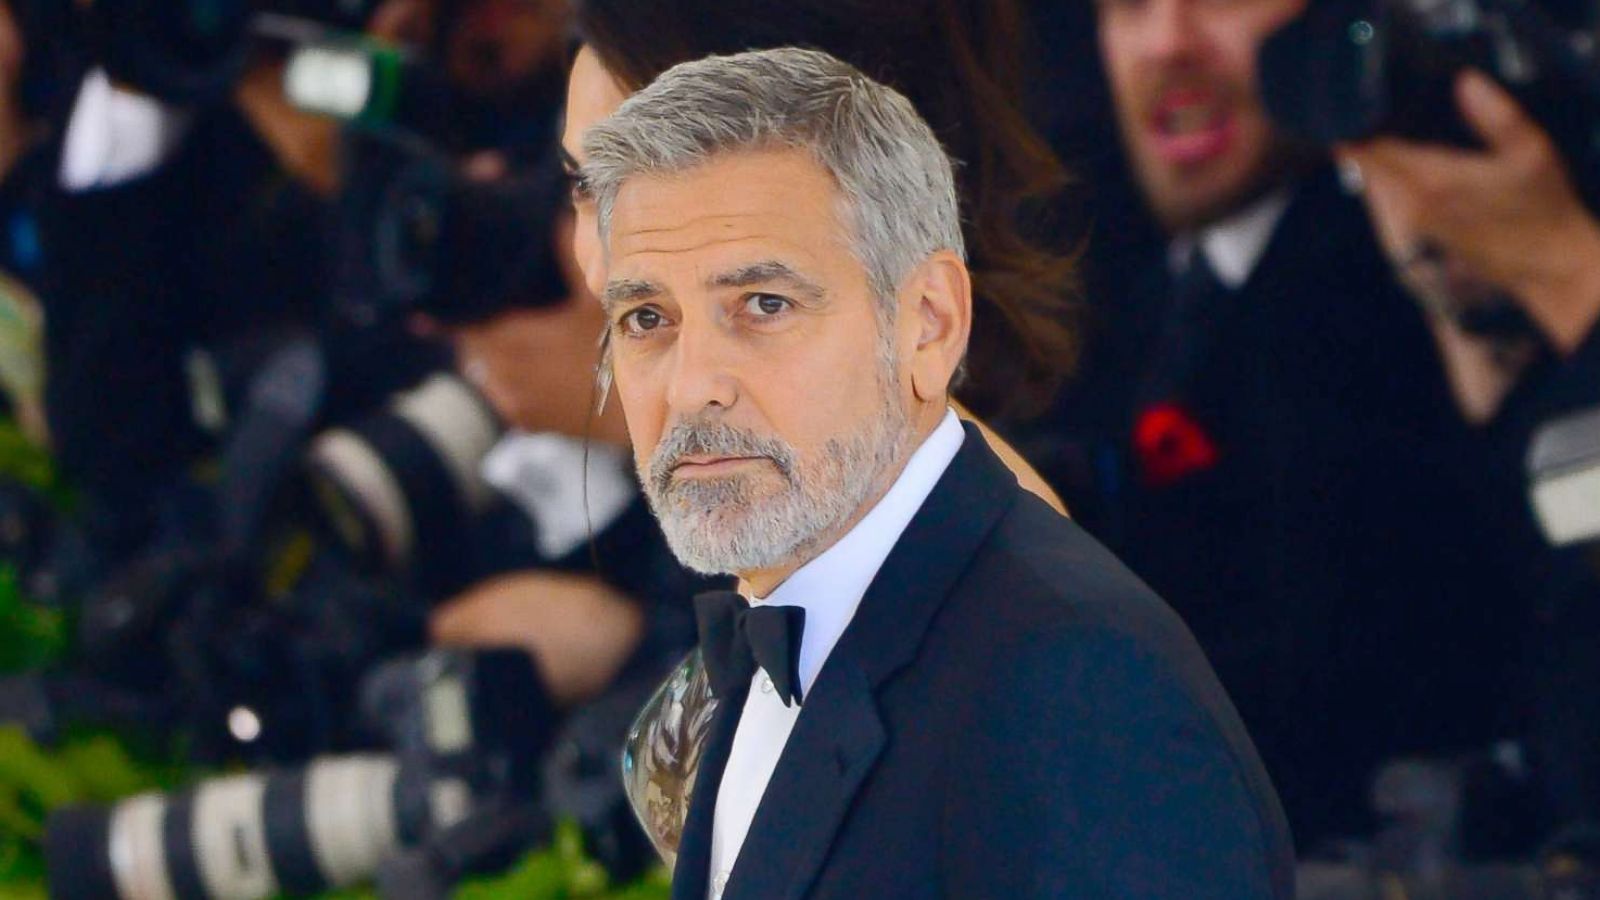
(329,79)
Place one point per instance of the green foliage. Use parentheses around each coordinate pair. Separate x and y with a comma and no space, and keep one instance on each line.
(35,781)
(24,461)
(31,636)
(563,872)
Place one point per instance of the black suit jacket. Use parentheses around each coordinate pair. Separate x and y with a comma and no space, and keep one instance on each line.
(1010,714)
(1340,561)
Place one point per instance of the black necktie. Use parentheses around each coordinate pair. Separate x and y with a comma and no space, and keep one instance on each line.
(735,637)
(1198,302)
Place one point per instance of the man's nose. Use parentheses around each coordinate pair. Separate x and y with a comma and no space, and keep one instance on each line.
(703,370)
(1170,30)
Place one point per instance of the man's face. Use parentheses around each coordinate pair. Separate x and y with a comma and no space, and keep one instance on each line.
(1183,76)
(765,399)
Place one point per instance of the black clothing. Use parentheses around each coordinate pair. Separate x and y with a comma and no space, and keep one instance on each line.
(1292,476)
(735,638)
(214,244)
(1559,586)
(1010,713)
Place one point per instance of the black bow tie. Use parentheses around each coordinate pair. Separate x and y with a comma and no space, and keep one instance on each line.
(735,637)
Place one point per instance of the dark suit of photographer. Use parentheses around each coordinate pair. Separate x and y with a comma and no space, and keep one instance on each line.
(215,238)
(1507,220)
(1292,475)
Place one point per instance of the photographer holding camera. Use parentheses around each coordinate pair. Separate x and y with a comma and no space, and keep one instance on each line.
(1506,222)
(164,213)
(1290,475)
(1506,217)
(1300,481)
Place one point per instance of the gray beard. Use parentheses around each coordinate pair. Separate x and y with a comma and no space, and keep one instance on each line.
(722,526)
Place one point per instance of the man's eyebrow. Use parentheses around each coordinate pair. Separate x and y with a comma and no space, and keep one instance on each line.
(766,272)
(574,171)
(627,290)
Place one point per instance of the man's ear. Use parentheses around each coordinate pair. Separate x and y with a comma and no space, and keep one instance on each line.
(940,310)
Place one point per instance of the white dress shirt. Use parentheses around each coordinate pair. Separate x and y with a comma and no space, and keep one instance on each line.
(1234,245)
(115,135)
(569,487)
(829,588)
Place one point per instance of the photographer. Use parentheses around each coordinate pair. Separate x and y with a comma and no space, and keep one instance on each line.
(585,614)
(1505,224)
(1281,462)
(178,247)
(177,230)
(1506,217)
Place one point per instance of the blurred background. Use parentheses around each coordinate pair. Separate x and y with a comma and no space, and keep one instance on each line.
(323,566)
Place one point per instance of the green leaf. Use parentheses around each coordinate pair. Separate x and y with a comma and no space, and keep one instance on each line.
(541,875)
(31,772)
(31,636)
(23,460)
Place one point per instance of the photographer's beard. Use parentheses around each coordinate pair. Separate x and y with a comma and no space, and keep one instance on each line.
(1200,167)
(765,520)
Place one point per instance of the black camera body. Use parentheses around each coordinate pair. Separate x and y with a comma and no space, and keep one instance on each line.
(192,51)
(1352,69)
(416,235)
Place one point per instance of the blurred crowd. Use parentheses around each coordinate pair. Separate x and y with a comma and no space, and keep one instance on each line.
(1291,303)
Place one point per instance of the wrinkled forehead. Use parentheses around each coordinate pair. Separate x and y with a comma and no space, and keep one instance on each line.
(780,194)
(738,208)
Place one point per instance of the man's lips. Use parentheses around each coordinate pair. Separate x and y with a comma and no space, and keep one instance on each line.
(1190,126)
(705,466)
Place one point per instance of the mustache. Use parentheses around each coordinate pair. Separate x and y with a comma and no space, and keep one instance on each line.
(705,437)
(1184,77)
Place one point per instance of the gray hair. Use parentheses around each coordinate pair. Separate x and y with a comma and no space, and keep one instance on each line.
(896,187)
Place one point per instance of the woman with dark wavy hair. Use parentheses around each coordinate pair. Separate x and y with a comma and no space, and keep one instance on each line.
(960,62)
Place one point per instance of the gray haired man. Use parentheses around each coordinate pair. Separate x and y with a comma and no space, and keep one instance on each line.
(937,686)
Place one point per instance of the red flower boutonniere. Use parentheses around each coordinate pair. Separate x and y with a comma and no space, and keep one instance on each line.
(1171,445)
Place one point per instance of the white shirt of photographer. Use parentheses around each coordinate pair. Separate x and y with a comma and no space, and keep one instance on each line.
(1233,246)
(115,135)
(830,589)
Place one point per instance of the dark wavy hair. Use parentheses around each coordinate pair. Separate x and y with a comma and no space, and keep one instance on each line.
(961,63)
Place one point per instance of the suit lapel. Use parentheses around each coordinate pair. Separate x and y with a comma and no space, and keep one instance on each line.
(835,743)
(840,734)
(691,872)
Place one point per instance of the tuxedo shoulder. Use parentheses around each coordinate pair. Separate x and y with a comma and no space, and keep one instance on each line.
(1042,597)
(1038,571)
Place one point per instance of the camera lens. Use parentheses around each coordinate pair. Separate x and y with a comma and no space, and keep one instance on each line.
(249,836)
(407,477)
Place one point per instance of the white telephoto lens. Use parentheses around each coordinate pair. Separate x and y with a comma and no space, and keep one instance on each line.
(138,863)
(350,462)
(230,840)
(349,806)
(457,422)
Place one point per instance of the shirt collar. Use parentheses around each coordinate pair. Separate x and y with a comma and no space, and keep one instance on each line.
(830,587)
(1236,244)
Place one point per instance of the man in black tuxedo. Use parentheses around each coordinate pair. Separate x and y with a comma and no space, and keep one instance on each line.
(1295,479)
(938,687)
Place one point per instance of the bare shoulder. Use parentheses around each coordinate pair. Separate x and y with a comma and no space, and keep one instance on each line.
(1027,476)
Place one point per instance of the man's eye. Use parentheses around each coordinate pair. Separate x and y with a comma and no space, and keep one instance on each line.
(641,320)
(766,305)
(578,190)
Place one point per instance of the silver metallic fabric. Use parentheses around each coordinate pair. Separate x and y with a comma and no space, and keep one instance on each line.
(663,751)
